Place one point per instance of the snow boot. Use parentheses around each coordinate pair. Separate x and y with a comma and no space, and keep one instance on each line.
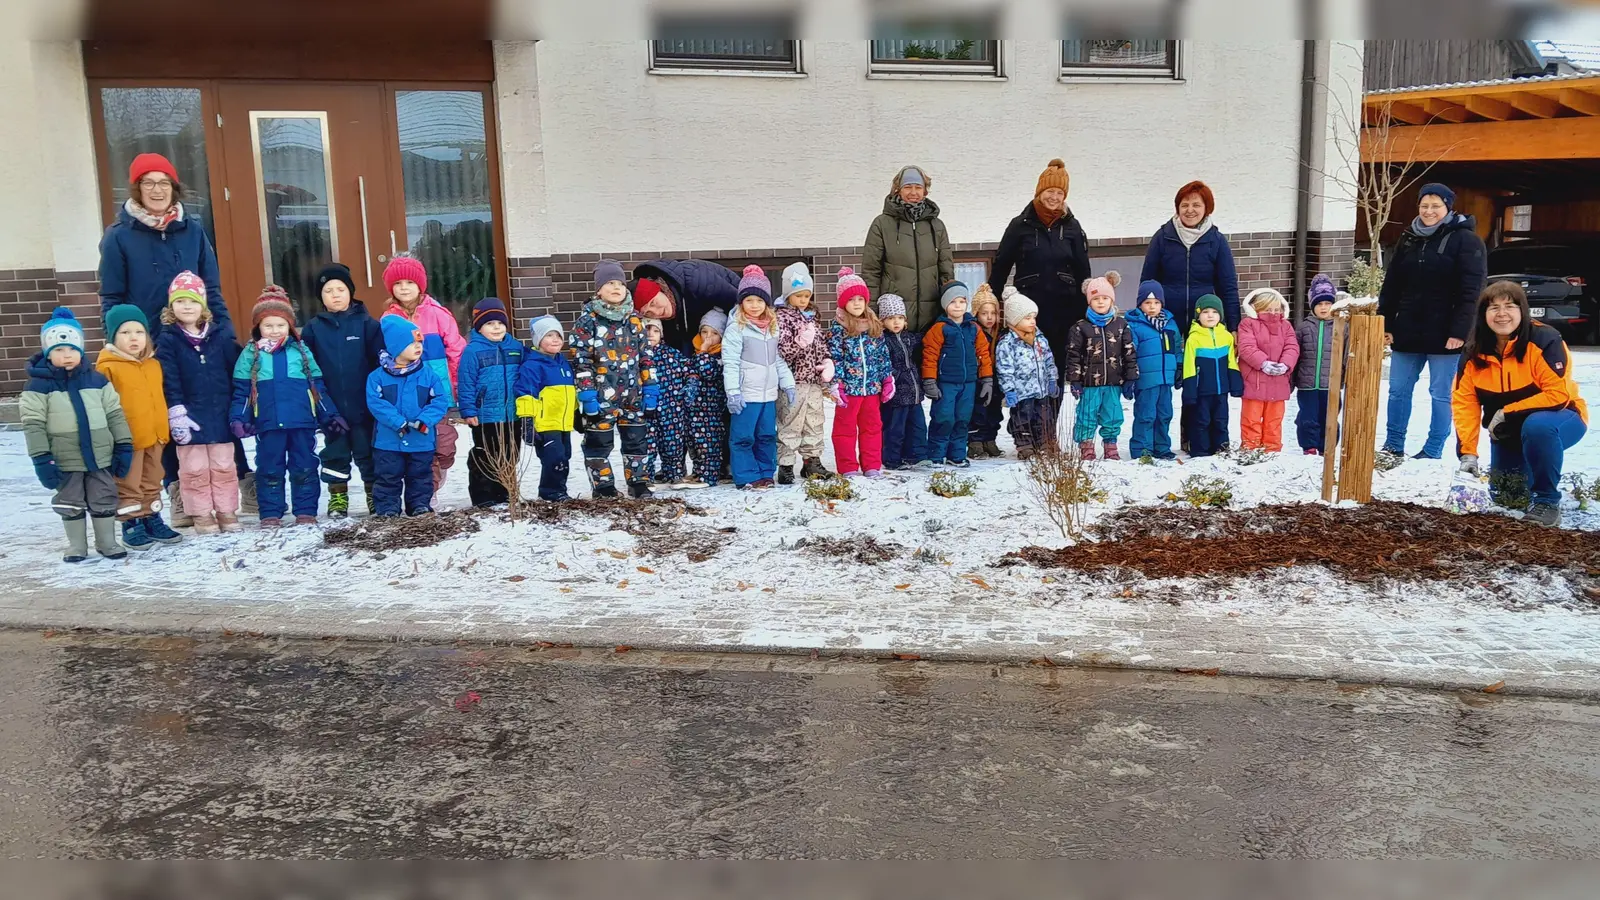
(975,450)
(1546,514)
(338,500)
(134,537)
(271,524)
(206,524)
(228,523)
(305,520)
(606,492)
(105,538)
(180,519)
(1086,449)
(812,467)
(372,505)
(247,495)
(1111,451)
(786,474)
(638,491)
(1312,451)
(159,531)
(77,539)
(1025,453)
(959,463)
(992,450)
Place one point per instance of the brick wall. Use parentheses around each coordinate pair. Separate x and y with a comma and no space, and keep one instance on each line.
(27,297)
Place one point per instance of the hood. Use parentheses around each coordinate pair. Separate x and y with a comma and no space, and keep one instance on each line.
(398,334)
(111,354)
(890,208)
(39,367)
(667,271)
(333,318)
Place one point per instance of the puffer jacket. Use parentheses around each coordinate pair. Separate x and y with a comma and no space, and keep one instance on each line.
(442,343)
(395,400)
(751,364)
(957,353)
(1189,273)
(289,391)
(1266,337)
(1316,353)
(199,377)
(861,361)
(1541,379)
(673,372)
(487,378)
(1431,286)
(607,345)
(73,414)
(1210,364)
(1026,369)
(346,346)
(1101,357)
(698,286)
(138,263)
(908,258)
(144,400)
(1159,350)
(1051,265)
(803,358)
(905,360)
(546,391)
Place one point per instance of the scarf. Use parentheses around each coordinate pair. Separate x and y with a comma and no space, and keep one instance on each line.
(159,223)
(1101,320)
(912,212)
(266,345)
(196,340)
(1190,235)
(1425,231)
(764,322)
(612,313)
(1157,321)
(1028,337)
(1047,216)
(394,368)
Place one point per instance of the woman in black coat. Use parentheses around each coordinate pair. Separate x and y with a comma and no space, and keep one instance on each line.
(1430,289)
(1050,253)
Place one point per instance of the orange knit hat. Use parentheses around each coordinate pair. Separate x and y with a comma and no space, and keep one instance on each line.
(1053,176)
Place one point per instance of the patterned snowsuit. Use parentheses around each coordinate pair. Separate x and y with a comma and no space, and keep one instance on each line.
(608,367)
(708,415)
(669,431)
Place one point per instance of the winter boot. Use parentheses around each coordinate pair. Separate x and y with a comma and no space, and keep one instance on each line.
(786,474)
(180,519)
(975,450)
(271,524)
(1546,514)
(229,523)
(135,537)
(77,539)
(958,463)
(638,491)
(338,500)
(305,520)
(1111,450)
(372,505)
(1024,453)
(606,492)
(159,531)
(206,524)
(105,538)
(247,495)
(992,450)
(1086,449)
(812,467)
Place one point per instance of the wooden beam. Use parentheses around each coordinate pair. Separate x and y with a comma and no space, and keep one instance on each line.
(1580,101)
(1409,113)
(1488,107)
(1539,106)
(1523,139)
(1440,109)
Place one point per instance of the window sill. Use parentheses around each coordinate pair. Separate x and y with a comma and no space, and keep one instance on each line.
(933,76)
(1083,78)
(727,73)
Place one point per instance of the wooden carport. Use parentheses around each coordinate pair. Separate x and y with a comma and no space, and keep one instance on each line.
(1541,118)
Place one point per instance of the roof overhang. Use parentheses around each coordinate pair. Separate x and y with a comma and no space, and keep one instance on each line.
(1511,119)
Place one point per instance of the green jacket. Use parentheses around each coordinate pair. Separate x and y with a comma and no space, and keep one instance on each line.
(75,415)
(911,259)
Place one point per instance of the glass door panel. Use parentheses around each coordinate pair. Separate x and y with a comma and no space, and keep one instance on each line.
(298,216)
(164,120)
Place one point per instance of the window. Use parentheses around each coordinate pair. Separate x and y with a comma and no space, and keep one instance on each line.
(160,120)
(933,53)
(693,44)
(1120,57)
(973,272)
(1521,219)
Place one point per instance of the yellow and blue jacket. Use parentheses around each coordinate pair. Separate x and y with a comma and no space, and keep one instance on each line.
(1210,364)
(546,391)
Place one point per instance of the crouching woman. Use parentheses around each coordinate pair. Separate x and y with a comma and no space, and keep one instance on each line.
(1515,379)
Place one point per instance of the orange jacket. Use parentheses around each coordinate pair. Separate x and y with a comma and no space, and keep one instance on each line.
(1542,379)
(957,353)
(139,386)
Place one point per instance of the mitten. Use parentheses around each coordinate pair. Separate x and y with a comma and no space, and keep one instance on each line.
(337,426)
(44,466)
(985,391)
(420,427)
(121,460)
(1010,399)
(1077,391)
(825,369)
(1497,426)
(1469,464)
(736,403)
(652,396)
(887,393)
(806,334)
(589,402)
(790,396)
(181,426)
(930,386)
(1128,390)
(527,431)
(836,391)
(240,430)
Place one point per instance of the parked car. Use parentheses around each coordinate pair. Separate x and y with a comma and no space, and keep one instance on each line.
(1561,282)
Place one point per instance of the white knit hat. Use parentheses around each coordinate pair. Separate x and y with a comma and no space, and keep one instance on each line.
(1018,307)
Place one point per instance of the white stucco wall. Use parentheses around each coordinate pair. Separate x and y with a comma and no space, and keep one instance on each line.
(23,243)
(634,160)
(66,139)
(522,176)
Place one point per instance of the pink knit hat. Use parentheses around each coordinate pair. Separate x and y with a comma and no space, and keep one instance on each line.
(851,285)
(404,267)
(187,286)
(1105,285)
(755,284)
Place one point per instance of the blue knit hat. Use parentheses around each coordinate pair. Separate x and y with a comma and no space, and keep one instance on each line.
(487,310)
(1151,288)
(1322,290)
(1440,191)
(61,330)
(398,334)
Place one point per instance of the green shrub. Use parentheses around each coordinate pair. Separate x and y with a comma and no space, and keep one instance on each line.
(949,484)
(1202,492)
(832,487)
(1365,279)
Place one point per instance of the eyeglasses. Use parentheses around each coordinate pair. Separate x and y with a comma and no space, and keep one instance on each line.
(162,185)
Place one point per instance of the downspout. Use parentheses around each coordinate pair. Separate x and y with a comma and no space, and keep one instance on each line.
(1302,213)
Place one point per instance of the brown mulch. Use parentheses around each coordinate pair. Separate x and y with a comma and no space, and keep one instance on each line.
(1379,540)
(860,548)
(380,535)
(640,518)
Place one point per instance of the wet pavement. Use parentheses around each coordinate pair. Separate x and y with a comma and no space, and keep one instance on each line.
(238,747)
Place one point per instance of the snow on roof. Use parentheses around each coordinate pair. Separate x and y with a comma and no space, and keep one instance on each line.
(1582,55)
(1532,80)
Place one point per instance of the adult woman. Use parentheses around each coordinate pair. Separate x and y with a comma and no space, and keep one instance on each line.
(1050,252)
(152,241)
(907,251)
(1515,378)
(1429,289)
(679,292)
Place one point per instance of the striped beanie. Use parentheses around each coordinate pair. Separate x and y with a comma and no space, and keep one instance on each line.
(755,284)
(487,310)
(851,286)
(274,301)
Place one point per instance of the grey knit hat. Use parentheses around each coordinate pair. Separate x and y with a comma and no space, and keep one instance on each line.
(716,318)
(797,277)
(543,326)
(951,291)
(607,270)
(891,305)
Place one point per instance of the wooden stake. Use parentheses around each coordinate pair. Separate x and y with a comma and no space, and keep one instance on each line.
(1358,457)
(1330,440)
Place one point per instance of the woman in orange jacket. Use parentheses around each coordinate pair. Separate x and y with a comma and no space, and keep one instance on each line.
(1515,378)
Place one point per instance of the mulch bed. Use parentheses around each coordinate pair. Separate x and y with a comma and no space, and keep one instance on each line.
(1366,543)
(380,535)
(860,548)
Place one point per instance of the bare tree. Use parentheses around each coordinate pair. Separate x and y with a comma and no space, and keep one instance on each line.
(506,462)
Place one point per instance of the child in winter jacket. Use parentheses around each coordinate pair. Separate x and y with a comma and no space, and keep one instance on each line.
(957,372)
(1210,377)
(197,355)
(1102,367)
(547,403)
(804,348)
(78,437)
(905,430)
(984,426)
(442,343)
(1268,351)
(669,430)
(616,389)
(708,408)
(345,341)
(128,361)
(753,375)
(279,396)
(866,380)
(407,400)
(1028,380)
(488,400)
(1159,348)
(1315,334)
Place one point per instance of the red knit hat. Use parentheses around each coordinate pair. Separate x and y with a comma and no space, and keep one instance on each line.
(274,301)
(145,163)
(404,267)
(851,285)
(648,289)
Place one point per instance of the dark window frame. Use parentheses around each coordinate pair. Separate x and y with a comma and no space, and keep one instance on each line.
(993,67)
(1171,70)
(667,61)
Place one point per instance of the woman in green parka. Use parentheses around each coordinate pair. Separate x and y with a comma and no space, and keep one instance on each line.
(907,250)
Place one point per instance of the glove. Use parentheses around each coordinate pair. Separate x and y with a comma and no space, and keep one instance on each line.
(240,430)
(121,460)
(837,391)
(181,426)
(1077,391)
(1274,368)
(589,402)
(527,431)
(337,426)
(930,386)
(736,403)
(825,369)
(806,334)
(985,391)
(1497,426)
(790,396)
(1469,464)
(1128,390)
(1010,399)
(1178,385)
(1055,390)
(887,393)
(420,427)
(652,397)
(44,466)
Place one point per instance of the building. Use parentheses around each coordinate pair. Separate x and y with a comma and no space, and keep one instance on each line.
(510,166)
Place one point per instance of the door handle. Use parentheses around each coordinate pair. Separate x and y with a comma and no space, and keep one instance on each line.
(366,235)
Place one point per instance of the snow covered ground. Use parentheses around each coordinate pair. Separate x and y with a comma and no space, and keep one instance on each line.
(584,582)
